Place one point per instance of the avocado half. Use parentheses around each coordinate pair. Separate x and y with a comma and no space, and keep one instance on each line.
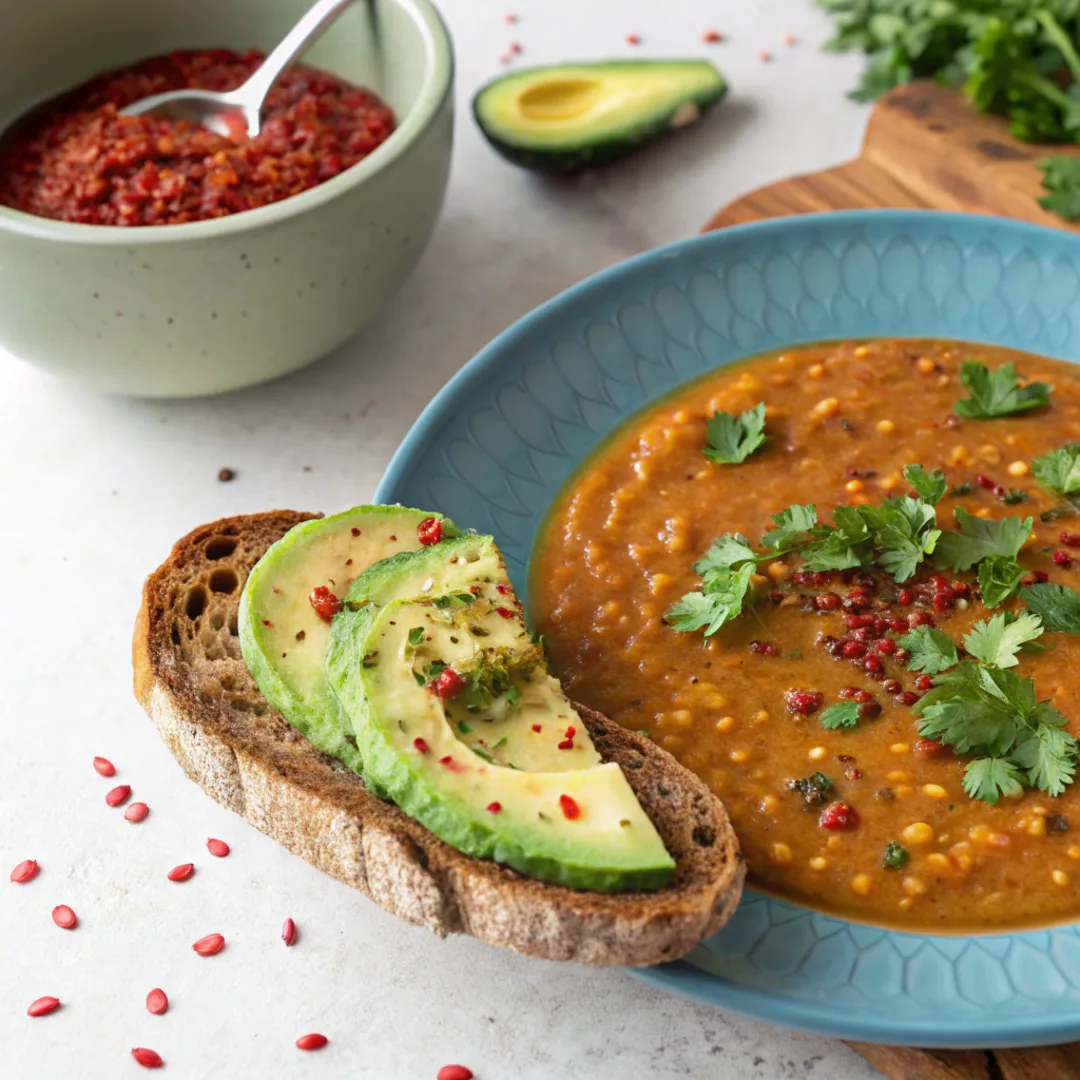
(565,118)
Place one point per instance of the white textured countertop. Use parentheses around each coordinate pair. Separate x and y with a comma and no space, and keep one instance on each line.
(92,493)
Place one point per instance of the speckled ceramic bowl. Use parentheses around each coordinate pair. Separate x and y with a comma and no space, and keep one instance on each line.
(185,310)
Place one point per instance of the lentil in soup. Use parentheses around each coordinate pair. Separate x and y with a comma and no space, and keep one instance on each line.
(870,817)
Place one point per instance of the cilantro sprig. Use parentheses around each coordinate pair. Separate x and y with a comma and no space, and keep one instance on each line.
(732,439)
(993,545)
(1059,470)
(1061,181)
(844,714)
(998,392)
(1057,606)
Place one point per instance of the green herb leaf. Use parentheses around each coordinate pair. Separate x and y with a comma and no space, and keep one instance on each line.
(999,578)
(988,778)
(512,696)
(845,714)
(464,728)
(931,650)
(1059,470)
(723,593)
(1057,606)
(420,680)
(904,532)
(894,856)
(814,789)
(843,545)
(979,538)
(930,487)
(416,635)
(1014,496)
(726,552)
(1061,180)
(733,439)
(997,393)
(997,641)
(793,526)
(1049,756)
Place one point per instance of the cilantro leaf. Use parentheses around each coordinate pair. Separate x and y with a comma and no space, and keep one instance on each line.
(931,650)
(999,578)
(970,710)
(1061,180)
(845,714)
(733,439)
(997,393)
(930,487)
(1057,606)
(793,523)
(894,857)
(725,553)
(980,538)
(416,635)
(723,593)
(1059,470)
(904,532)
(1049,755)
(998,640)
(988,778)
(843,545)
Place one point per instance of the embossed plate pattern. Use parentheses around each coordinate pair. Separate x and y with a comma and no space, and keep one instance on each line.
(495,445)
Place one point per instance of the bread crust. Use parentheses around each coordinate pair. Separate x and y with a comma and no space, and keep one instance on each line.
(192,681)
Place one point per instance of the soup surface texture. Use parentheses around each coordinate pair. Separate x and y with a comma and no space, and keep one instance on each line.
(869,821)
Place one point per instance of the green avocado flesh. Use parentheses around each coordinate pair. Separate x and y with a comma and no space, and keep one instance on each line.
(569,117)
(485,770)
(284,640)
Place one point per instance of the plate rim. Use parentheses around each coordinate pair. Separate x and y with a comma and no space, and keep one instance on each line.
(682,977)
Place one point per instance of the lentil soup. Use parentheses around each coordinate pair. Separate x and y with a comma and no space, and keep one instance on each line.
(869,820)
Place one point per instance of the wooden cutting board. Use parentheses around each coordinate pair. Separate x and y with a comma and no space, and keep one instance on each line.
(925,147)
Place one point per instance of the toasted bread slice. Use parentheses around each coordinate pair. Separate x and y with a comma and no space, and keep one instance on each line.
(190,678)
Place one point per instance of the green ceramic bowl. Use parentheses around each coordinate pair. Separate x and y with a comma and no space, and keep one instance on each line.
(185,310)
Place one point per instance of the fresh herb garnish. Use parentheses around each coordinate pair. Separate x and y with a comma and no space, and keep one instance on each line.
(1013,497)
(904,533)
(794,526)
(979,538)
(930,487)
(1061,180)
(416,635)
(931,650)
(814,788)
(844,714)
(1059,470)
(732,439)
(997,393)
(464,728)
(997,641)
(964,488)
(894,856)
(999,578)
(512,696)
(723,593)
(1057,607)
(1059,511)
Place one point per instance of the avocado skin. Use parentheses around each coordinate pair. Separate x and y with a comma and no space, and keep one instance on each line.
(586,154)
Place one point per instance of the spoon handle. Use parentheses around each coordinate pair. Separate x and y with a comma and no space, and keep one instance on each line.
(317,19)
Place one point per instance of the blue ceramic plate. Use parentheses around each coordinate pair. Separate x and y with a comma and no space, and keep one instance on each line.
(496,444)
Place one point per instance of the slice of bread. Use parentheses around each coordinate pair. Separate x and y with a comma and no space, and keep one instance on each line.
(190,678)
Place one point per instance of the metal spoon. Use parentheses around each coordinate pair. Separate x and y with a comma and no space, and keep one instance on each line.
(240,110)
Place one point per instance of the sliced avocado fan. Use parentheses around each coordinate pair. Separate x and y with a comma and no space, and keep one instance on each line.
(459,721)
(570,117)
(283,636)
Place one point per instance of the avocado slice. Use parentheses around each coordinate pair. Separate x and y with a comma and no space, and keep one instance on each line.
(569,117)
(579,825)
(282,638)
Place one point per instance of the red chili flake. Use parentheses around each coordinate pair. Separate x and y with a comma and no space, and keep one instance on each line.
(27,870)
(633,39)
(476,590)
(536,728)
(181,872)
(803,702)
(420,745)
(838,815)
(710,37)
(136,811)
(325,603)
(566,744)
(454,1072)
(765,56)
(788,39)
(506,613)
(217,847)
(104,767)
(118,795)
(569,807)
(503,590)
(147,1058)
(277,591)
(510,17)
(515,48)
(429,531)
(288,931)
(448,685)
(43,1006)
(210,945)
(267,622)
(1062,558)
(157,1002)
(63,916)
(314,1041)
(494,807)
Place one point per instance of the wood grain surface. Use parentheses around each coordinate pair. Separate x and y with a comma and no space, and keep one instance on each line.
(926,147)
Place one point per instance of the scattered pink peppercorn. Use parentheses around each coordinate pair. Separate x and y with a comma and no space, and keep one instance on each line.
(838,815)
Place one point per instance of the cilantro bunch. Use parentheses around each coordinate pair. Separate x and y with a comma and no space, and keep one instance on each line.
(980,706)
(1011,57)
